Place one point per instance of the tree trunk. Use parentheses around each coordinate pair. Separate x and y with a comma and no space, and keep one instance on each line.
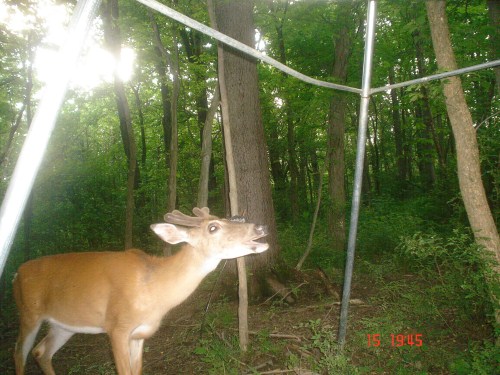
(336,131)
(235,18)
(113,42)
(398,133)
(206,151)
(138,104)
(161,69)
(468,164)
(174,147)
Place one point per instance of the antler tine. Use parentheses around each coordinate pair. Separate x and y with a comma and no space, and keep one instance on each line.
(177,217)
(203,212)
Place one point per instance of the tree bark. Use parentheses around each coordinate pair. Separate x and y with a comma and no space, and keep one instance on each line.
(235,18)
(336,130)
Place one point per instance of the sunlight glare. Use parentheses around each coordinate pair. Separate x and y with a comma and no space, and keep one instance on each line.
(96,65)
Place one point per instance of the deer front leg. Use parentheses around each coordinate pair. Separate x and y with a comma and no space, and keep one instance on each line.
(136,356)
(120,344)
(50,344)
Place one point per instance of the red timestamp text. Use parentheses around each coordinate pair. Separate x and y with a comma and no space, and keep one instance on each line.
(395,340)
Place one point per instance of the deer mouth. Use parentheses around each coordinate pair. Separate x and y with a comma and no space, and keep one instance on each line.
(258,244)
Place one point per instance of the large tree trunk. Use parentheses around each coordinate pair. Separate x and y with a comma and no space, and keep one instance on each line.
(469,171)
(235,18)
(113,42)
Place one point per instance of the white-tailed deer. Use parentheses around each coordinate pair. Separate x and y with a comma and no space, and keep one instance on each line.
(124,294)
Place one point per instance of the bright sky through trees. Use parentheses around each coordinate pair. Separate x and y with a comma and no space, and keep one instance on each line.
(96,65)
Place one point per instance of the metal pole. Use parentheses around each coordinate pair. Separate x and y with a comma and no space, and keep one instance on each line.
(41,127)
(358,176)
(433,77)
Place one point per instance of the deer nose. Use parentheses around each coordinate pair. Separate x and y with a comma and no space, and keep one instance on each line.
(261,230)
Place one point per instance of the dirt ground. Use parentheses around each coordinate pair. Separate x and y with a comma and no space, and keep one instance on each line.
(171,349)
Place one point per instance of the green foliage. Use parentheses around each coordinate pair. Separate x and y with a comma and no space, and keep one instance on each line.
(386,220)
(463,271)
(480,360)
(219,354)
(329,358)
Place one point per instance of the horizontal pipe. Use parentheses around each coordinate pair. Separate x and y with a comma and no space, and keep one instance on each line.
(433,77)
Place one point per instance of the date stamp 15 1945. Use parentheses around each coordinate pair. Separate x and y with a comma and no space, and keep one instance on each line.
(394,340)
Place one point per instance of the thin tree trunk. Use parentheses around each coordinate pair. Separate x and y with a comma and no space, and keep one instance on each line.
(113,42)
(140,112)
(398,132)
(424,149)
(163,60)
(13,129)
(427,113)
(313,225)
(174,147)
(206,150)
(336,130)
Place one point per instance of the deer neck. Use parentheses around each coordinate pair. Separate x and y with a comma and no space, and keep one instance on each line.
(182,272)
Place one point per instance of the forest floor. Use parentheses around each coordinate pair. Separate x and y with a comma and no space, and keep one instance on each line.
(297,338)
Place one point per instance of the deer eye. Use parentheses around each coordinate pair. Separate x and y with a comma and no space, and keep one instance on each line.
(213,227)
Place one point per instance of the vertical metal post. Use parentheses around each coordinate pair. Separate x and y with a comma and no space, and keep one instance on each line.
(358,176)
(41,127)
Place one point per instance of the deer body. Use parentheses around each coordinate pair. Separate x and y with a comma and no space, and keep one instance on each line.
(124,294)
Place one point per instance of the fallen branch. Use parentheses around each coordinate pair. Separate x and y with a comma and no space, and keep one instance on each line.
(276,335)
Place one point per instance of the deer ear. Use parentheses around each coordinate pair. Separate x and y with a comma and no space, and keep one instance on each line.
(170,233)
